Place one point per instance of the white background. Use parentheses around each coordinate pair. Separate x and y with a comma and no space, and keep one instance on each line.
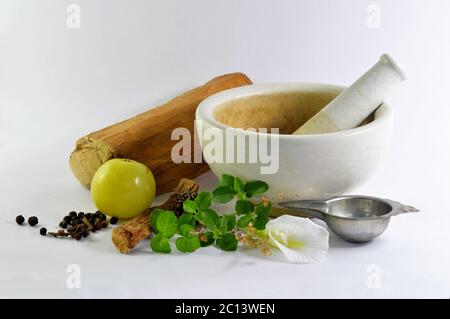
(57,84)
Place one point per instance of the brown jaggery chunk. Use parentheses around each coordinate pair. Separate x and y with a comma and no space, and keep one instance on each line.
(125,237)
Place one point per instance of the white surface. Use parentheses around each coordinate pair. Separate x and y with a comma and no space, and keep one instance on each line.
(57,84)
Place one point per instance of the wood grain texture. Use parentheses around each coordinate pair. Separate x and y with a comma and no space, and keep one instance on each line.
(147,137)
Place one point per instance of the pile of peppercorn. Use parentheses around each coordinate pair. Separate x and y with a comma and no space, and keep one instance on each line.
(74,225)
(80,225)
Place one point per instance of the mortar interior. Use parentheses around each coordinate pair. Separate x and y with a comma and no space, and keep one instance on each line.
(285,111)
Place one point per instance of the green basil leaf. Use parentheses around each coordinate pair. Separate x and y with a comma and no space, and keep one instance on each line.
(187,244)
(227,242)
(238,185)
(229,222)
(210,219)
(223,194)
(203,200)
(255,187)
(186,218)
(155,215)
(243,207)
(207,239)
(262,216)
(261,222)
(152,219)
(166,223)
(160,244)
(260,209)
(190,206)
(222,228)
(185,230)
(227,180)
(244,221)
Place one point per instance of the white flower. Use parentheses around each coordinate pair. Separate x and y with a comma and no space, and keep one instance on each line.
(299,239)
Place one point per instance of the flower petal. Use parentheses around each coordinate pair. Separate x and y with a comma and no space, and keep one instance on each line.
(299,239)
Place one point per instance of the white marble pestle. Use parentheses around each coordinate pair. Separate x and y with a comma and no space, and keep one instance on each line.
(350,108)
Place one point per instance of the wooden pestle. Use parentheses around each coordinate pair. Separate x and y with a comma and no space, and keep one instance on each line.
(147,138)
(350,108)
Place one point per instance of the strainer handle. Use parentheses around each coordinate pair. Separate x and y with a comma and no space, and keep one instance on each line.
(311,208)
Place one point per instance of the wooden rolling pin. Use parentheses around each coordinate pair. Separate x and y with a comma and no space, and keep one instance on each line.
(147,138)
(350,108)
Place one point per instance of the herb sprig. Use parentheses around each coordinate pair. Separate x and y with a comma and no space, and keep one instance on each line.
(201,226)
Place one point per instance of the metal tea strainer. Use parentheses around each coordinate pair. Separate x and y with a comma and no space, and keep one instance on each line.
(357,219)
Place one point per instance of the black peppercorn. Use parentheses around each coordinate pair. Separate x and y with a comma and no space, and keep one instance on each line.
(88,215)
(85,234)
(67,219)
(113,220)
(33,220)
(103,216)
(80,215)
(75,221)
(43,231)
(72,214)
(20,219)
(63,224)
